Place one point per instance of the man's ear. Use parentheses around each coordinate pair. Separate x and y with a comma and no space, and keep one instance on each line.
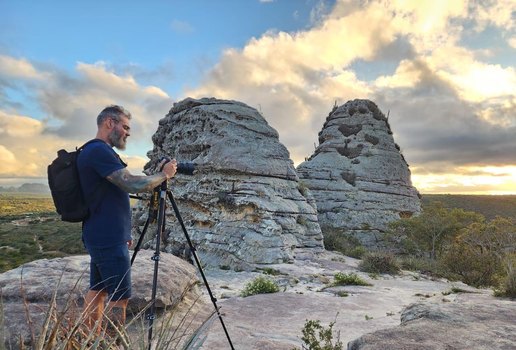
(110,124)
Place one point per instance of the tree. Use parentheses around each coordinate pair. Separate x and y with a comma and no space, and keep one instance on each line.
(427,233)
(481,253)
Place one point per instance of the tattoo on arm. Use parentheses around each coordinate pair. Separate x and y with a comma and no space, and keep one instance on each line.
(135,183)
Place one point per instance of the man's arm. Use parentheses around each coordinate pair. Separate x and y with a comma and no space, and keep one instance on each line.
(136,183)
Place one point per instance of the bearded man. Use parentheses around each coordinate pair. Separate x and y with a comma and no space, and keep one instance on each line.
(106,233)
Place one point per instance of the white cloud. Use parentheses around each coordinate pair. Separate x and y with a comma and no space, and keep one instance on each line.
(181,27)
(512,42)
(11,67)
(499,13)
(295,78)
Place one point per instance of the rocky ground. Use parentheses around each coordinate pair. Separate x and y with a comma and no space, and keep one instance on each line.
(407,311)
(275,321)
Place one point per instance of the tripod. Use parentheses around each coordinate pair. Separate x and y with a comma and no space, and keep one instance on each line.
(157,208)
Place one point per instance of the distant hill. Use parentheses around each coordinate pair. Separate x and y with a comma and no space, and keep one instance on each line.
(489,206)
(27,188)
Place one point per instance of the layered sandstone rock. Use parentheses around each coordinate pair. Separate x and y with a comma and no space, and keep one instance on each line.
(244,205)
(358,176)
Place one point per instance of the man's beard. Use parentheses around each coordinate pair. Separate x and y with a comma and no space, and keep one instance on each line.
(116,140)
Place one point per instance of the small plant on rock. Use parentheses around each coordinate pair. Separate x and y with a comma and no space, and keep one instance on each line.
(379,263)
(351,279)
(317,337)
(260,285)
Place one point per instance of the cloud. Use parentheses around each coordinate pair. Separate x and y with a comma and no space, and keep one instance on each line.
(498,13)
(512,42)
(181,27)
(448,107)
(11,67)
(70,103)
(24,150)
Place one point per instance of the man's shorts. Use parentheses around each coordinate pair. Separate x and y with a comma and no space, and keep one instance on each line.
(110,271)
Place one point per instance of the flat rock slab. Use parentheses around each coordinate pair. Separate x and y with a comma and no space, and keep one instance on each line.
(275,321)
(472,322)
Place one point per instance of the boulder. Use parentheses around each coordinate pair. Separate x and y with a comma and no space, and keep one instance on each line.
(244,205)
(27,291)
(358,176)
(473,322)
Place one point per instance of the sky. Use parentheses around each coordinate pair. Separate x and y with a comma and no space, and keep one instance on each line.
(443,70)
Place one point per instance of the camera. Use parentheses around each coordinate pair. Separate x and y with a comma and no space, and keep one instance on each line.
(185,168)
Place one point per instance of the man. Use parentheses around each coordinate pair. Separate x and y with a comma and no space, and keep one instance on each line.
(106,182)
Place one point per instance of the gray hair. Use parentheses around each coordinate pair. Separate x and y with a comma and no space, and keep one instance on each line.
(113,111)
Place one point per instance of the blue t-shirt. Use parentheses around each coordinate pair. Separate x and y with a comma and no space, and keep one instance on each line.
(109,222)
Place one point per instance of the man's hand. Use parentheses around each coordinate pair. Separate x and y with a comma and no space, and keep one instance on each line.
(169,168)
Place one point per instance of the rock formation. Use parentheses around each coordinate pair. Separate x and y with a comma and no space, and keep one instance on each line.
(358,176)
(244,205)
(28,290)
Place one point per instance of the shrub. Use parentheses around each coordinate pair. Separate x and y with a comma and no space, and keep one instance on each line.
(509,283)
(379,263)
(260,285)
(479,252)
(317,337)
(473,266)
(343,243)
(351,279)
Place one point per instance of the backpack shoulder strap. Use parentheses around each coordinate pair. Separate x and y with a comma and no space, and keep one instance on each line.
(101,187)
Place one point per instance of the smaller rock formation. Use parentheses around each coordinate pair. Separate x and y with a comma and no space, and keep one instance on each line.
(244,205)
(358,176)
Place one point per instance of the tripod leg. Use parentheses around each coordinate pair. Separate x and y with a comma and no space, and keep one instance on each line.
(194,253)
(140,240)
(151,313)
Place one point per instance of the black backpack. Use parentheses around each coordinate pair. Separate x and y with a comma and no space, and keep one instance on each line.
(65,186)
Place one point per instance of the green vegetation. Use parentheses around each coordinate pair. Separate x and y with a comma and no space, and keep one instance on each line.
(428,233)
(489,206)
(260,285)
(317,337)
(378,262)
(345,244)
(30,229)
(19,204)
(459,244)
(348,279)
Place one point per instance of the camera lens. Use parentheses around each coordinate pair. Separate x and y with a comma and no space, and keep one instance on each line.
(185,168)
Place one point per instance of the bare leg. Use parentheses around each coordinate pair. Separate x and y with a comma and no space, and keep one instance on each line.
(116,313)
(94,310)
